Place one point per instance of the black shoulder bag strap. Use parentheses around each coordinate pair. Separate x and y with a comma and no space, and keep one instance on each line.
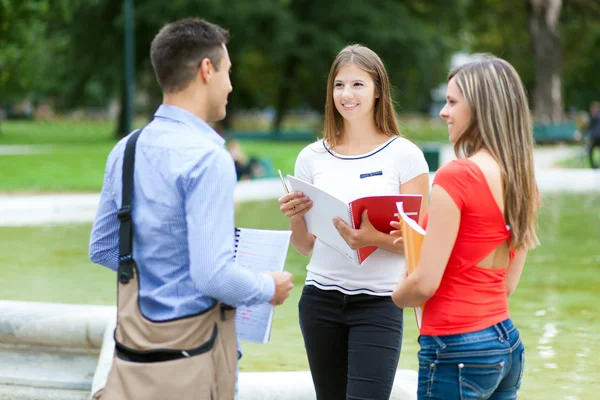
(125,271)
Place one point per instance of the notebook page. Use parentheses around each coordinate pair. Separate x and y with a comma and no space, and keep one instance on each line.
(319,219)
(259,250)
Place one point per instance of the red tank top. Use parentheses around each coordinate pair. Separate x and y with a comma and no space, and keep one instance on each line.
(469,298)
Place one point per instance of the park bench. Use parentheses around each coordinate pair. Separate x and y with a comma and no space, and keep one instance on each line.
(565,131)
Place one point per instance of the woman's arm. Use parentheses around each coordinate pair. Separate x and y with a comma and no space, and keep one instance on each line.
(514,271)
(442,229)
(294,205)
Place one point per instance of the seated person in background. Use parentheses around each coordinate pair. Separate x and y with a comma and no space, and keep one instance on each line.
(246,168)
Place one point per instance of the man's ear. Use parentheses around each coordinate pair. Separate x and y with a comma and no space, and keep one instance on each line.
(206,70)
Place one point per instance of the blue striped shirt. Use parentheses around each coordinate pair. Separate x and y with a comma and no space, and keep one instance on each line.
(183,216)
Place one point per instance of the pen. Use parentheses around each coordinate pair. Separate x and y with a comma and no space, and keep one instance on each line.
(284,185)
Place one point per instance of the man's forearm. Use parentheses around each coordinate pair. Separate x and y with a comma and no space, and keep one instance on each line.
(235,285)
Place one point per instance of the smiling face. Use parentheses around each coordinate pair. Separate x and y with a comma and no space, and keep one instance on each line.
(456,111)
(354,93)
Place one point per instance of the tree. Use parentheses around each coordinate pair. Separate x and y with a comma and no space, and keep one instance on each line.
(548,62)
(281,49)
(581,37)
(553,45)
(27,53)
(412,37)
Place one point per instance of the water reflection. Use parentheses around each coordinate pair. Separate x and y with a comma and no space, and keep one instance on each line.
(545,349)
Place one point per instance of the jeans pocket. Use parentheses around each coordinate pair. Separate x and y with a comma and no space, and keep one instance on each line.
(522,369)
(307,289)
(426,376)
(479,381)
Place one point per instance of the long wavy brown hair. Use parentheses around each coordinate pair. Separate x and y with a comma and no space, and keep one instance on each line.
(501,124)
(384,114)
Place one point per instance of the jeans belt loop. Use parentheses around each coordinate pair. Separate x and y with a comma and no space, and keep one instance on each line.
(439,342)
(506,334)
(500,332)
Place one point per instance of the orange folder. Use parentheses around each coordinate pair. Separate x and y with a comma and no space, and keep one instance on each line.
(413,236)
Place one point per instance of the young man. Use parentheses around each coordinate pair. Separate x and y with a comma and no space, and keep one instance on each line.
(166,224)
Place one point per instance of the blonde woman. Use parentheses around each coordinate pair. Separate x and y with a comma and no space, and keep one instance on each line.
(352,330)
(480,226)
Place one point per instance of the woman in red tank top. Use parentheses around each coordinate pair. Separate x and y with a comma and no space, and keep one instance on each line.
(480,226)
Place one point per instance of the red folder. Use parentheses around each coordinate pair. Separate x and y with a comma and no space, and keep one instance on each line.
(381,210)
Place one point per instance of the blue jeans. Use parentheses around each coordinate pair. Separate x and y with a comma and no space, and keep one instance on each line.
(487,364)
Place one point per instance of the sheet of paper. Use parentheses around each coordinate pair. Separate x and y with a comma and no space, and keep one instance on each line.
(259,250)
(319,219)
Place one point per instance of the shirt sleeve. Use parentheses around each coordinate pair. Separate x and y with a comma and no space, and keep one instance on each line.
(209,210)
(453,178)
(104,239)
(413,163)
(302,168)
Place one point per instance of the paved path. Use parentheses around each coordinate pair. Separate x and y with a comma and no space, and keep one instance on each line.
(17,149)
(23,210)
(20,210)
(543,157)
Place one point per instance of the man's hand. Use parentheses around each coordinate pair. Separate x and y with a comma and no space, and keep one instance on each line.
(283,285)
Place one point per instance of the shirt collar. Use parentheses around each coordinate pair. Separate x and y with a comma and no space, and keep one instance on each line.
(181,115)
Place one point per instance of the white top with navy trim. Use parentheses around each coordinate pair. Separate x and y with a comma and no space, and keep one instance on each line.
(379,172)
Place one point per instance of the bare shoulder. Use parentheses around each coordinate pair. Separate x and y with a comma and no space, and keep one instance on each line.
(491,170)
(488,165)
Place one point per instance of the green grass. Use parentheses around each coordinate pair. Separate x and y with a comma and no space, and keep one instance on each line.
(582,161)
(56,132)
(69,168)
(72,158)
(421,130)
(281,154)
(555,306)
(75,153)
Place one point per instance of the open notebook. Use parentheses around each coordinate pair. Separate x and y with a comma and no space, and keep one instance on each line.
(413,236)
(259,250)
(381,209)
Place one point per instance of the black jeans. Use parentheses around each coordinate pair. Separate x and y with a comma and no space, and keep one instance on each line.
(352,341)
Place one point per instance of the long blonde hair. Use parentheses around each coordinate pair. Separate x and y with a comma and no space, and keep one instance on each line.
(384,114)
(501,124)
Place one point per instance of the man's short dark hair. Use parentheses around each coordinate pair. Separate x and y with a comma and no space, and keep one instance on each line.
(179,48)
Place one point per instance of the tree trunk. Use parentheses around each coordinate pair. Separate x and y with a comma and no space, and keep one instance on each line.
(544,28)
(283,97)
(121,120)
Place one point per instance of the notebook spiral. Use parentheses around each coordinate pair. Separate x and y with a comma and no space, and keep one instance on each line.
(237,241)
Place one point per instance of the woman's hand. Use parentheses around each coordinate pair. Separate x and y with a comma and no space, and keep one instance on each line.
(356,238)
(294,205)
(397,233)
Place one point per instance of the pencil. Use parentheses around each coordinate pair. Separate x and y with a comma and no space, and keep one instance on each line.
(284,186)
(283,182)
